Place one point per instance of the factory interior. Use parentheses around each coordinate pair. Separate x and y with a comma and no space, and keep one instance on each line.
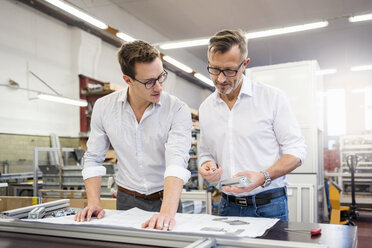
(59,59)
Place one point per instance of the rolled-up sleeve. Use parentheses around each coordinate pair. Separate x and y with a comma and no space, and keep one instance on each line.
(178,145)
(98,145)
(287,130)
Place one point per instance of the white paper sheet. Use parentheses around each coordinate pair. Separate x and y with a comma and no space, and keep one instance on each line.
(185,223)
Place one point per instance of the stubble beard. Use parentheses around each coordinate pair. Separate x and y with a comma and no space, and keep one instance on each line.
(233,86)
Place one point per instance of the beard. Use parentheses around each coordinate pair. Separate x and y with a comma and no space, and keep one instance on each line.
(227,87)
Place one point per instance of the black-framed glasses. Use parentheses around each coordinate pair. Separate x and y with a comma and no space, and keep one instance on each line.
(151,83)
(228,72)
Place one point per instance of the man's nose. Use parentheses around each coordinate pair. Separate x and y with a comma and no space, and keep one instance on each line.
(157,86)
(221,77)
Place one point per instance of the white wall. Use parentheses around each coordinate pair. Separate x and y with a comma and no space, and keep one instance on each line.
(44,46)
(57,53)
(185,91)
(124,21)
(355,115)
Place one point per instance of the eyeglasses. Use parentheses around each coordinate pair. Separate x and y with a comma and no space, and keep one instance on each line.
(151,83)
(227,72)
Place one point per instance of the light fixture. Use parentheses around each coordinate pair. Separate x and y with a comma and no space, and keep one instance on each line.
(252,35)
(204,79)
(45,96)
(360,18)
(286,30)
(361,68)
(326,72)
(125,37)
(177,64)
(78,13)
(187,43)
(61,99)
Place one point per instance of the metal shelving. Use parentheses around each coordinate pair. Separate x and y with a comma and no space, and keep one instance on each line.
(361,146)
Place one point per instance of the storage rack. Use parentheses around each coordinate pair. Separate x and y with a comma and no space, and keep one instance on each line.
(361,146)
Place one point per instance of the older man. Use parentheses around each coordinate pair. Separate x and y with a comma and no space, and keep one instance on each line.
(247,129)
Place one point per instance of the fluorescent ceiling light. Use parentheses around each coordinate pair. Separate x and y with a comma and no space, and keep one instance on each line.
(360,18)
(177,64)
(61,99)
(78,13)
(180,44)
(204,79)
(326,71)
(253,35)
(361,68)
(125,37)
(286,30)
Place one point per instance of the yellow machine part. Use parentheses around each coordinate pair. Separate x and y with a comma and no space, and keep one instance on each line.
(335,200)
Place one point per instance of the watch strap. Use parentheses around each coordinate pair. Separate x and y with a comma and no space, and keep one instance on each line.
(267,179)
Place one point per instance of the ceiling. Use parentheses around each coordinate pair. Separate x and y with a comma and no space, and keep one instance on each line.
(340,45)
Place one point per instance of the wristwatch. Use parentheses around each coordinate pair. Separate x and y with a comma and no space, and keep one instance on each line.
(267,179)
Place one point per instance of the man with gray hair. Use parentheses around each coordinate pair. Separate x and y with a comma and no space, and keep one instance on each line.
(247,129)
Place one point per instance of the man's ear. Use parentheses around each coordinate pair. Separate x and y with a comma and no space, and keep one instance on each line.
(247,60)
(127,79)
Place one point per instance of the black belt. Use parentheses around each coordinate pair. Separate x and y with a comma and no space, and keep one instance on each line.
(260,199)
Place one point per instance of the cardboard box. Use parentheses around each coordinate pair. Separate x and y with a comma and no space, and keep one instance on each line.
(13,202)
(111,157)
(112,87)
(63,194)
(106,203)
(194,112)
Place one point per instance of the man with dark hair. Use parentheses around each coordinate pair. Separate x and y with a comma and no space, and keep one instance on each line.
(150,132)
(247,129)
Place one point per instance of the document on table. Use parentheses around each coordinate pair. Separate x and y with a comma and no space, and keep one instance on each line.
(185,223)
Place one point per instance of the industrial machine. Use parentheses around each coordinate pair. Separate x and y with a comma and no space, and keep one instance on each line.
(343,214)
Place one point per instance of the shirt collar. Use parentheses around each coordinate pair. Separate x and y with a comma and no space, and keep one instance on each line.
(246,89)
(123,95)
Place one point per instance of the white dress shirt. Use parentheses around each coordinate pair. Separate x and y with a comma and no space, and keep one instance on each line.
(253,135)
(147,152)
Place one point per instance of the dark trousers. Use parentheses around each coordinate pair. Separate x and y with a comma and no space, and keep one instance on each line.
(125,202)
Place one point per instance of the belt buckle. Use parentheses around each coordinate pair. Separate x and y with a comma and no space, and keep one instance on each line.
(241,201)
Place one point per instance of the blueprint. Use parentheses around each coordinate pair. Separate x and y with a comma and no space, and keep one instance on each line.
(185,223)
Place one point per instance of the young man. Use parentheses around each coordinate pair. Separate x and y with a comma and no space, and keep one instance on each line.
(247,129)
(150,132)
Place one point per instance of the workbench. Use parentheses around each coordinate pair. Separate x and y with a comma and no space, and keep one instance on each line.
(16,233)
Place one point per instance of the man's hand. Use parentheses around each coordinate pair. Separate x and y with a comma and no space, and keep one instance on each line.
(160,221)
(164,220)
(257,178)
(210,171)
(88,212)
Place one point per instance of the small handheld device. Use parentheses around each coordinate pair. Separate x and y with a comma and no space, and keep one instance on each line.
(240,182)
